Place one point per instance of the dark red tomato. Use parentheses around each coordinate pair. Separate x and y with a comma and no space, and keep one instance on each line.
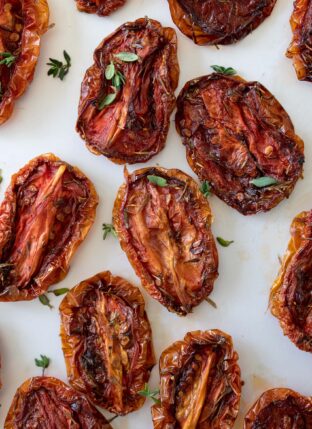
(236,133)
(46,213)
(291,299)
(100,7)
(200,385)
(48,403)
(107,342)
(22,22)
(280,409)
(300,49)
(164,225)
(219,22)
(127,96)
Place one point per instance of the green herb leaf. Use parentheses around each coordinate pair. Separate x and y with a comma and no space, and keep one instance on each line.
(59,292)
(107,100)
(45,300)
(157,180)
(127,57)
(224,243)
(110,71)
(262,182)
(152,394)
(229,71)
(7,58)
(58,68)
(205,189)
(43,363)
(108,228)
(1,178)
(211,302)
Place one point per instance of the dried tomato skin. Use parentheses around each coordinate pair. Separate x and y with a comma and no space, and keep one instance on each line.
(204,360)
(280,408)
(212,22)
(27,20)
(106,336)
(100,7)
(134,127)
(300,49)
(51,400)
(46,213)
(176,214)
(290,298)
(236,131)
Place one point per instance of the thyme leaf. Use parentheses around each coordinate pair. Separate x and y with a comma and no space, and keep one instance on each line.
(107,100)
(127,57)
(59,292)
(45,301)
(223,242)
(157,180)
(262,182)
(228,71)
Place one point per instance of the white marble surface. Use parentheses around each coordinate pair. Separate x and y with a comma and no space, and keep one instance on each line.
(44,121)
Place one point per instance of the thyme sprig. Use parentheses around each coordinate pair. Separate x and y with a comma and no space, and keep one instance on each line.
(43,363)
(7,58)
(152,394)
(228,71)
(108,228)
(58,68)
(205,189)
(45,301)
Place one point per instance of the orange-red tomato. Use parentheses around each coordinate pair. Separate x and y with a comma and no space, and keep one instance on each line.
(280,409)
(22,22)
(107,342)
(236,132)
(100,7)
(200,385)
(290,299)
(46,213)
(215,22)
(166,233)
(133,126)
(300,49)
(46,402)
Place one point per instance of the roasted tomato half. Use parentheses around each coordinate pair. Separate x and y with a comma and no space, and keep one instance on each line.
(22,22)
(200,385)
(216,22)
(127,96)
(163,224)
(46,402)
(107,342)
(46,213)
(280,409)
(240,139)
(300,49)
(291,299)
(100,7)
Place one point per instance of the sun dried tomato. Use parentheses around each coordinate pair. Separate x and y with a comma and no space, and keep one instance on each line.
(215,22)
(165,232)
(46,213)
(107,342)
(280,409)
(200,385)
(131,125)
(235,132)
(100,7)
(22,22)
(291,300)
(300,49)
(46,402)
